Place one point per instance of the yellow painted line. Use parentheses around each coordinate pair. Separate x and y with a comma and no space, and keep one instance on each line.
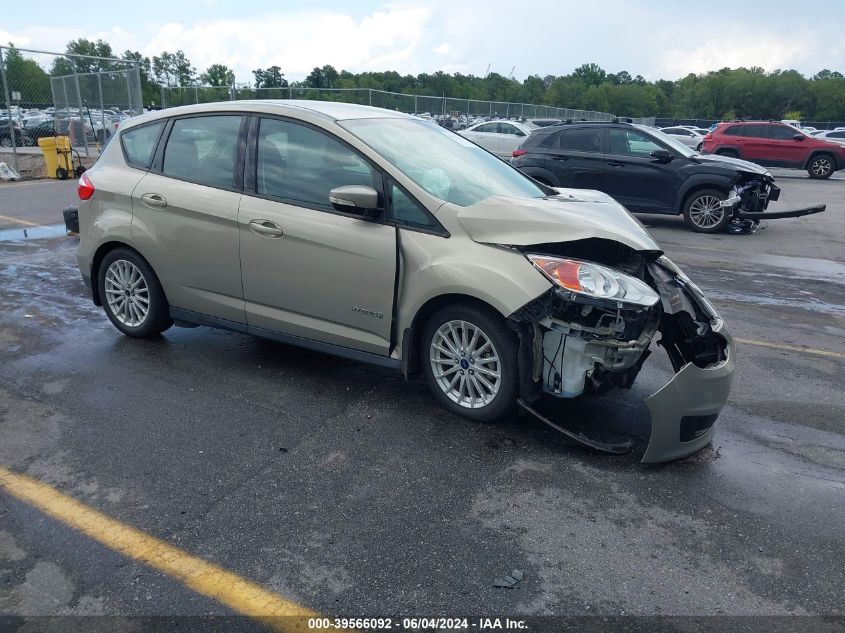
(18,220)
(205,578)
(790,348)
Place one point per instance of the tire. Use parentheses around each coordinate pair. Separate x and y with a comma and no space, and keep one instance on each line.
(6,141)
(701,213)
(821,166)
(730,153)
(699,146)
(481,398)
(119,268)
(61,173)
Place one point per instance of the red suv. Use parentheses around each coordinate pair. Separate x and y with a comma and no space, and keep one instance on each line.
(776,145)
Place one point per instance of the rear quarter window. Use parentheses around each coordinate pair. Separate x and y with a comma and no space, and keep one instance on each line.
(139,144)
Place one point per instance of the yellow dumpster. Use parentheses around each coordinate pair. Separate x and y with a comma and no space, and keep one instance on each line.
(57,156)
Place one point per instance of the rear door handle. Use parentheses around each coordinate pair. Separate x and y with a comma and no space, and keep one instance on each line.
(266,228)
(556,157)
(153,200)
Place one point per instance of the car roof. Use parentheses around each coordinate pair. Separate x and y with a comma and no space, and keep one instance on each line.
(301,108)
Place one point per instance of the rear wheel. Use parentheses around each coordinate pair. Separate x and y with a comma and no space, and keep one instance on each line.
(132,295)
(821,166)
(469,359)
(703,213)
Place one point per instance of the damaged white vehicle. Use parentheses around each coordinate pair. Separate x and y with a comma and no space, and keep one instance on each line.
(381,237)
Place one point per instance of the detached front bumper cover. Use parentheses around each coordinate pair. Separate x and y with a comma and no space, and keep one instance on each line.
(684,410)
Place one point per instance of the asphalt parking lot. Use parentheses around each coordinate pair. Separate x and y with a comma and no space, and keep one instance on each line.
(340,487)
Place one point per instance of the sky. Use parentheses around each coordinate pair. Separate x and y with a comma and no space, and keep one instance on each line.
(658,39)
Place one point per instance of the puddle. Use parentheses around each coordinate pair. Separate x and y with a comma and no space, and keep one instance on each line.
(33,233)
(812,305)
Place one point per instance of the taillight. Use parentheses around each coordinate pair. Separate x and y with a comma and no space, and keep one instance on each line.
(84,189)
(518,152)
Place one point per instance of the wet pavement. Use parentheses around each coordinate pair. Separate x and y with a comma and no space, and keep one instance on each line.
(346,489)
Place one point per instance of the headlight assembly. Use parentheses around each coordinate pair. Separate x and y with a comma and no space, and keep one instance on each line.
(594,280)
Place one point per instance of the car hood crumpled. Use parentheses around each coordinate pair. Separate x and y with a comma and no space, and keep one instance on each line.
(574,214)
(731,162)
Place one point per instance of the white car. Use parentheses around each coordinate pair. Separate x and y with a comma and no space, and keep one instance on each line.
(498,137)
(834,136)
(685,135)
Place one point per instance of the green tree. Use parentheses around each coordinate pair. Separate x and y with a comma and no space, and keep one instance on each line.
(24,75)
(218,75)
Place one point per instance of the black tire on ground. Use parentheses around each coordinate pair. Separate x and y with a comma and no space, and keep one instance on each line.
(6,141)
(505,343)
(821,166)
(701,214)
(732,153)
(61,173)
(158,318)
(699,146)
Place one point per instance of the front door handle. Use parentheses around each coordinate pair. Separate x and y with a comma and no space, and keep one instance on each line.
(266,228)
(560,157)
(615,163)
(154,200)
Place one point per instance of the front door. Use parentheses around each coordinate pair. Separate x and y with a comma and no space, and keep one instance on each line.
(309,270)
(634,178)
(184,217)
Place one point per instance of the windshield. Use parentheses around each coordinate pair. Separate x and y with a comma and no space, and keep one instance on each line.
(443,163)
(664,138)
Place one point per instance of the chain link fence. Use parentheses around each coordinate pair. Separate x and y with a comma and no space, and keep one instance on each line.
(52,94)
(411,104)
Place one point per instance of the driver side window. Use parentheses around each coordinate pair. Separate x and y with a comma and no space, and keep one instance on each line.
(631,143)
(300,164)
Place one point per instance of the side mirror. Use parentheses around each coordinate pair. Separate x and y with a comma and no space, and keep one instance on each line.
(358,199)
(798,137)
(662,155)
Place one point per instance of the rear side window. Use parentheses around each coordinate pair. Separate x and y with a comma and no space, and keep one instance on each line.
(587,140)
(835,135)
(300,164)
(733,130)
(139,144)
(203,150)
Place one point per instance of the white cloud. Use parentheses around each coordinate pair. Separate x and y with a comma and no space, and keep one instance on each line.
(298,42)
(733,49)
(442,49)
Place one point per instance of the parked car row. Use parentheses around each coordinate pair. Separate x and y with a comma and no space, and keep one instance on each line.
(34,123)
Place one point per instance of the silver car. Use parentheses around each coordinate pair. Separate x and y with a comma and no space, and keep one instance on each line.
(687,136)
(382,237)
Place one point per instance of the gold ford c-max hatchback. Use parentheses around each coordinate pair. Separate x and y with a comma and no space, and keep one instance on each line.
(382,237)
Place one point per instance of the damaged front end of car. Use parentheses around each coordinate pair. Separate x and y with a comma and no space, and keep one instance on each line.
(592,332)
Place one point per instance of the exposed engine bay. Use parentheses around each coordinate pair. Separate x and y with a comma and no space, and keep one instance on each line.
(572,344)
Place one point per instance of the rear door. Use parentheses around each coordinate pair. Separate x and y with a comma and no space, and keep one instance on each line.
(576,158)
(754,145)
(634,178)
(486,136)
(309,270)
(184,218)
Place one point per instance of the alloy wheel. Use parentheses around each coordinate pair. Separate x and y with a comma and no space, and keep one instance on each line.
(127,293)
(821,166)
(465,364)
(706,211)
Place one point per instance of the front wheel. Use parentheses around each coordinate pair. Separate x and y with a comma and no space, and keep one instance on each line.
(703,212)
(820,167)
(469,359)
(132,295)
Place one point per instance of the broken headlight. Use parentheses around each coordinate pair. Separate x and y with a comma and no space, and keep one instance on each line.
(593,280)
